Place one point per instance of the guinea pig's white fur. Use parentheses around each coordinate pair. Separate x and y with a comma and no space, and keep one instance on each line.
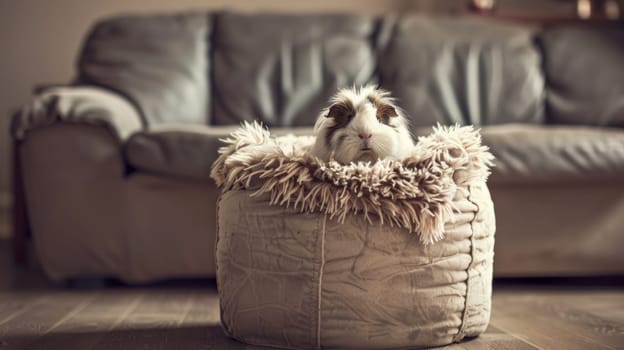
(361,125)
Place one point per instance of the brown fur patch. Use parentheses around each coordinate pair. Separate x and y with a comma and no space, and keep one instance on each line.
(342,113)
(385,111)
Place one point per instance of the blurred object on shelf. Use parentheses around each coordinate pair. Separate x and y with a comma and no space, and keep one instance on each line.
(612,9)
(547,11)
(483,6)
(599,9)
(584,9)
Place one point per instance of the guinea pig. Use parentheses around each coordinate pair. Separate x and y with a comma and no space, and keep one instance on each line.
(361,125)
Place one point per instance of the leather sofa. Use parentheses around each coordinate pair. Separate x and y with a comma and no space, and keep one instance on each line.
(115,166)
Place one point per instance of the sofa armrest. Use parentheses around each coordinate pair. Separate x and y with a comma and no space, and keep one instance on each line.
(78,105)
(72,176)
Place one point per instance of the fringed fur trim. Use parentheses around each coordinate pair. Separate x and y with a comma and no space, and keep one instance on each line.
(416,193)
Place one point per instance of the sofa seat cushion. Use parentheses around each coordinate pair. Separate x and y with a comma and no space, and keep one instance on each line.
(525,154)
(533,154)
(183,151)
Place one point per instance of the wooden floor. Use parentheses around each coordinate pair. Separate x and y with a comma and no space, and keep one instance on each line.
(36,314)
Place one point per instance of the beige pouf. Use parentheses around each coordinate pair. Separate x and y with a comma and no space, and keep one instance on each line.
(390,255)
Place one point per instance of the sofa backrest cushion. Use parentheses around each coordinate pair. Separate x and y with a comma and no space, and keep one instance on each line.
(466,71)
(585,72)
(160,63)
(282,69)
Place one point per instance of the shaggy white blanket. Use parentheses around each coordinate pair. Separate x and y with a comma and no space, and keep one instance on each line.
(415,193)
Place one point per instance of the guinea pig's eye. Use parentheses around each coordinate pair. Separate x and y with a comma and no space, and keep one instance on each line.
(341,113)
(344,118)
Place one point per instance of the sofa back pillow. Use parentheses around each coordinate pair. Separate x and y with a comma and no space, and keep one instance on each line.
(584,68)
(464,70)
(159,62)
(282,69)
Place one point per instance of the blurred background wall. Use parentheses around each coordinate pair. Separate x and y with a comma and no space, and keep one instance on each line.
(39,41)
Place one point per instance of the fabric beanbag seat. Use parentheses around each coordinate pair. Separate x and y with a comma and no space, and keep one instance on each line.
(388,255)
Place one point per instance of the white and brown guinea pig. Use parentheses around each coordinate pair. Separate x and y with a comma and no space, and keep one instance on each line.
(361,125)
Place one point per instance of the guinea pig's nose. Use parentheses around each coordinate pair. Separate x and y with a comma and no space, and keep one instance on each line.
(365,135)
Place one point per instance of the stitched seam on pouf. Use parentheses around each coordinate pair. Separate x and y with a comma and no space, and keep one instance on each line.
(320,282)
(462,327)
(222,322)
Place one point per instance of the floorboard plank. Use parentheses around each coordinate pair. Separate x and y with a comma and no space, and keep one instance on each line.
(201,328)
(84,329)
(492,339)
(148,325)
(550,324)
(608,305)
(496,341)
(37,320)
(12,304)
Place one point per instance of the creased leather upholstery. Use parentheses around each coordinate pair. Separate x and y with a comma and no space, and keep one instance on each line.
(583,66)
(176,151)
(466,71)
(282,69)
(160,62)
(539,154)
(303,281)
(184,152)
(73,174)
